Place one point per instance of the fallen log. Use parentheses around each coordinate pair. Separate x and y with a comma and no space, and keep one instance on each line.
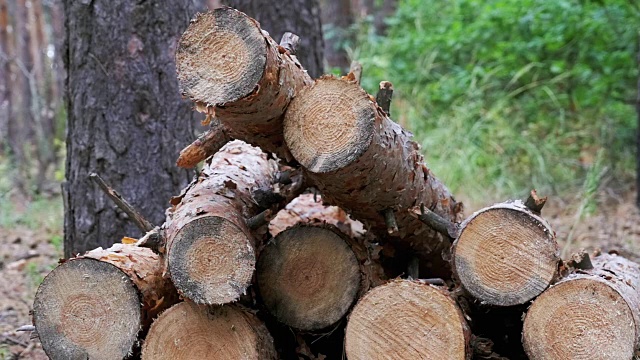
(407,320)
(211,252)
(95,305)
(592,313)
(505,254)
(190,331)
(316,266)
(235,72)
(365,163)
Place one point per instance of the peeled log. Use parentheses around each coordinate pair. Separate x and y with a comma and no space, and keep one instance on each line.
(234,71)
(505,255)
(94,306)
(591,314)
(407,320)
(210,250)
(188,331)
(365,163)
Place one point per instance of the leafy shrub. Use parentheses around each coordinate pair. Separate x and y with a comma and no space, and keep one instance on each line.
(507,95)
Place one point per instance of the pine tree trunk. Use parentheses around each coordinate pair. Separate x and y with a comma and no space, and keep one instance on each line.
(301,17)
(337,18)
(407,320)
(365,163)
(592,313)
(123,108)
(95,305)
(188,331)
(505,254)
(5,76)
(211,251)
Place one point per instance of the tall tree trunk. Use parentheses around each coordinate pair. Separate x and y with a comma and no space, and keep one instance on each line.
(337,17)
(301,17)
(126,120)
(5,75)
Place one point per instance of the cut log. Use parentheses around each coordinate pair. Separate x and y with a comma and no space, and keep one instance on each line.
(407,320)
(308,276)
(94,306)
(589,314)
(189,331)
(210,250)
(505,255)
(207,144)
(365,163)
(234,71)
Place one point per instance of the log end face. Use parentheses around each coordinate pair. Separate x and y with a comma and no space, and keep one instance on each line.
(329,125)
(504,256)
(308,277)
(189,331)
(221,57)
(87,309)
(406,320)
(579,319)
(211,260)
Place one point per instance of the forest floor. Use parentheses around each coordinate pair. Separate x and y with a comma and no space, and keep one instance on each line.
(30,249)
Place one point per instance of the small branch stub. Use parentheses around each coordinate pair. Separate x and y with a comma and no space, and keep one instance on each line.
(142,223)
(384,96)
(290,42)
(435,221)
(355,72)
(535,203)
(580,260)
(390,220)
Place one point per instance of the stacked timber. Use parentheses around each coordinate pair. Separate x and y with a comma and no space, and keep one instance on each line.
(315,230)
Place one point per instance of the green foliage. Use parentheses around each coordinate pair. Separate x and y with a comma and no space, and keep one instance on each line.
(506,95)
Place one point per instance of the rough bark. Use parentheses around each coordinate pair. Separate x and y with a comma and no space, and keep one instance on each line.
(407,320)
(589,314)
(122,96)
(211,252)
(505,254)
(95,305)
(189,331)
(5,76)
(310,209)
(301,17)
(234,71)
(365,163)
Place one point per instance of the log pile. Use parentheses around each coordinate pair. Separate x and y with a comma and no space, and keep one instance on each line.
(315,230)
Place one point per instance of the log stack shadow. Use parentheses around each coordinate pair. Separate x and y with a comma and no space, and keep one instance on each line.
(315,230)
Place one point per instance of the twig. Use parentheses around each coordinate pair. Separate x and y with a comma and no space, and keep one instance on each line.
(153,240)
(26,328)
(356,71)
(435,221)
(142,223)
(257,221)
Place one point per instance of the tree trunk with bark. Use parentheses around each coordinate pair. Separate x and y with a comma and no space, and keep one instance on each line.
(5,76)
(236,73)
(506,254)
(301,17)
(123,109)
(211,251)
(188,331)
(94,306)
(593,312)
(407,320)
(365,163)
(337,19)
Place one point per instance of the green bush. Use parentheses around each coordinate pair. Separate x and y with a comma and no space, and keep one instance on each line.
(506,95)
